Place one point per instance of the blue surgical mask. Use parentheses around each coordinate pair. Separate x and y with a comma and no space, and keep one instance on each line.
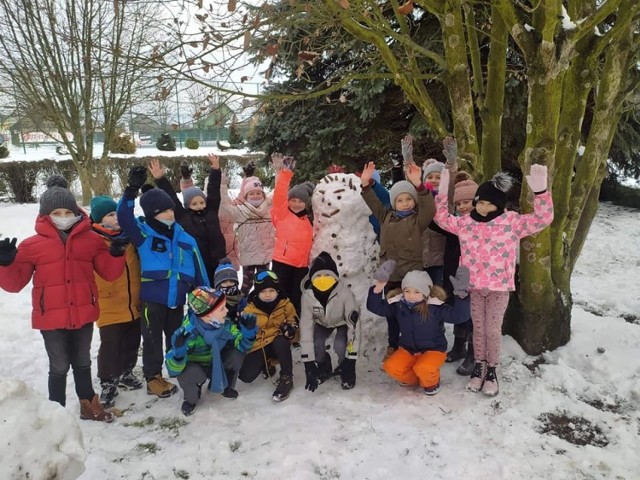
(65,223)
(409,304)
(168,223)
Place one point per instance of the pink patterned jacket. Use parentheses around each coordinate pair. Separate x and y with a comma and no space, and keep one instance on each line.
(489,249)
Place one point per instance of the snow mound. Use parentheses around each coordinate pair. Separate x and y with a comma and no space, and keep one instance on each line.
(40,438)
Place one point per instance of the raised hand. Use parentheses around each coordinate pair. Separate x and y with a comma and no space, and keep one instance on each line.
(406,144)
(156,170)
(450,150)
(8,251)
(414,174)
(367,173)
(289,162)
(276,161)
(214,160)
(137,176)
(185,171)
(445,178)
(384,271)
(537,178)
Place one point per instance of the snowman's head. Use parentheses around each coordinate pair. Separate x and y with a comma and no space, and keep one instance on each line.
(338,194)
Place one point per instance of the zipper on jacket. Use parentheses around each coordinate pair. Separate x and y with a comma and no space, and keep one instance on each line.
(42,301)
(126,266)
(286,245)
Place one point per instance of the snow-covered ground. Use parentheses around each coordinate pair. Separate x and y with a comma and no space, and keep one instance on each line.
(589,389)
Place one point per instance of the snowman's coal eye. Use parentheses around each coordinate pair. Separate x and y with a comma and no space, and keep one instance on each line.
(339,197)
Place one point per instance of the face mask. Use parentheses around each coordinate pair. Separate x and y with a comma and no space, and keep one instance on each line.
(168,223)
(256,203)
(409,304)
(198,212)
(230,291)
(65,223)
(323,283)
(215,323)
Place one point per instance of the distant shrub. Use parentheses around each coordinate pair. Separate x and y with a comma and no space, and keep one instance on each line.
(4,151)
(166,143)
(192,144)
(123,143)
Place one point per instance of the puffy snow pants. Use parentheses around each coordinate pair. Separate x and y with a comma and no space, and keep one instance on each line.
(419,368)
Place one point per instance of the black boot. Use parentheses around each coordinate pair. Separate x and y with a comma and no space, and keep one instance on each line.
(282,391)
(466,367)
(457,351)
(325,369)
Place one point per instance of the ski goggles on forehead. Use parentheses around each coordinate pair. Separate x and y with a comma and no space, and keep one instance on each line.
(261,276)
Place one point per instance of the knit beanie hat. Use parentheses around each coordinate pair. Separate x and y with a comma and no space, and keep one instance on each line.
(204,300)
(495,190)
(100,206)
(190,193)
(266,279)
(303,191)
(154,201)
(419,280)
(57,195)
(431,165)
(250,184)
(323,264)
(465,190)
(224,272)
(402,187)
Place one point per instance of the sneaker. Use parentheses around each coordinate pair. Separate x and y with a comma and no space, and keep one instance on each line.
(477,377)
(390,351)
(402,384)
(230,393)
(433,390)
(109,392)
(157,385)
(188,408)
(282,391)
(457,351)
(490,386)
(93,410)
(128,381)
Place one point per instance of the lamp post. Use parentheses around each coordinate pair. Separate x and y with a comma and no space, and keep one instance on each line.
(178,112)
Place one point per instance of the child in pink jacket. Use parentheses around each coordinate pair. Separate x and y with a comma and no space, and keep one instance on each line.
(489,238)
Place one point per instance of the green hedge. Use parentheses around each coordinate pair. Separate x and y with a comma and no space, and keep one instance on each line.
(617,194)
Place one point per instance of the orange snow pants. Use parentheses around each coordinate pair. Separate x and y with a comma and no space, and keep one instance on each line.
(422,368)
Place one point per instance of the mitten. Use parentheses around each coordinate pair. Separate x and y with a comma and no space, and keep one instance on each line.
(249,169)
(248,321)
(311,371)
(137,176)
(289,162)
(288,330)
(537,178)
(348,373)
(180,347)
(119,246)
(450,150)
(460,282)
(443,188)
(8,251)
(406,145)
(185,171)
(384,271)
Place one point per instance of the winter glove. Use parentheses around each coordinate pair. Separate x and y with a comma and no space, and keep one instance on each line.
(460,282)
(537,178)
(185,171)
(248,321)
(249,169)
(8,251)
(311,370)
(450,150)
(137,176)
(443,188)
(384,271)
(180,347)
(289,162)
(406,144)
(348,373)
(119,246)
(288,330)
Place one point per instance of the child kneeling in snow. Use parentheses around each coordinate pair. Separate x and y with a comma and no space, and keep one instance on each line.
(421,312)
(327,305)
(201,349)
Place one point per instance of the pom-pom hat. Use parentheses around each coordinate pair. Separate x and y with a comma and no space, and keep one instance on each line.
(57,196)
(495,190)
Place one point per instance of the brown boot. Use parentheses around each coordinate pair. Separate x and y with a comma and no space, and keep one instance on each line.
(157,385)
(93,410)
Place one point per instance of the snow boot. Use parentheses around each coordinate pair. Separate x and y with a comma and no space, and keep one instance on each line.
(93,410)
(128,381)
(188,408)
(433,390)
(490,386)
(230,393)
(477,377)
(282,391)
(325,369)
(157,385)
(466,368)
(109,392)
(457,351)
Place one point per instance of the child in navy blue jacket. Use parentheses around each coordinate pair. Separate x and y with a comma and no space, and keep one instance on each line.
(421,312)
(171,267)
(205,346)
